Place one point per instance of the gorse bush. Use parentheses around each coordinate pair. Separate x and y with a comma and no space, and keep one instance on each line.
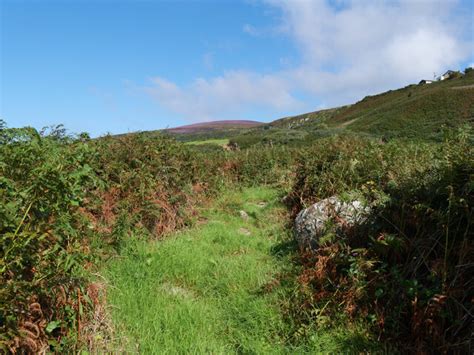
(408,272)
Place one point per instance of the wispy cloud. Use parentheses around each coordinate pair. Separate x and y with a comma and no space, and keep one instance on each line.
(251,30)
(347,51)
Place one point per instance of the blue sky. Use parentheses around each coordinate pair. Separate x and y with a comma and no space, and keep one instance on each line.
(118,66)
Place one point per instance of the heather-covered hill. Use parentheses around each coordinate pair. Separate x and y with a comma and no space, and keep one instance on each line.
(214,125)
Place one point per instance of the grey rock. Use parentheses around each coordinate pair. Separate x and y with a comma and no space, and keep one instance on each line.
(328,215)
(244,215)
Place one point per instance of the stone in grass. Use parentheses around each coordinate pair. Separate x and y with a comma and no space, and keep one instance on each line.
(177,291)
(244,215)
(329,215)
(244,231)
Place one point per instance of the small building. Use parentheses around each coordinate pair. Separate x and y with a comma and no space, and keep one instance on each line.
(448,75)
(423,82)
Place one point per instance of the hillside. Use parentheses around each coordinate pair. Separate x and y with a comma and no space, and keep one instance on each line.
(307,120)
(415,111)
(211,130)
(410,111)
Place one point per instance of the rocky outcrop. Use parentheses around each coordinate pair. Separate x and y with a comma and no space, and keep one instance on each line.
(328,215)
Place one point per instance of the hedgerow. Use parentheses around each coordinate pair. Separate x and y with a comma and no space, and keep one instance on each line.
(63,197)
(409,272)
(43,179)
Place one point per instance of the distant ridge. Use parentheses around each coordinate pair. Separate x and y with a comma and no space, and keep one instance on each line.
(213,125)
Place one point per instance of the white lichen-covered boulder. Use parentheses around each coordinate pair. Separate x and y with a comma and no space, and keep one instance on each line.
(328,215)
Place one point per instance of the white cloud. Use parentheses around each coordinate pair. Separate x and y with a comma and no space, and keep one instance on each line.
(434,50)
(377,45)
(347,51)
(223,97)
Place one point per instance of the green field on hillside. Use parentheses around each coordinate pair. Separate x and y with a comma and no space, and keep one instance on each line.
(220,142)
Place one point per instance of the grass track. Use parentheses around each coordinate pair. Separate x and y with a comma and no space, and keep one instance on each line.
(209,289)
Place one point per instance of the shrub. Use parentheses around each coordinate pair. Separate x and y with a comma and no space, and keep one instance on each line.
(148,184)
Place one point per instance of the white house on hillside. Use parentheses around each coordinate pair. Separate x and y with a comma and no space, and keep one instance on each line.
(447,75)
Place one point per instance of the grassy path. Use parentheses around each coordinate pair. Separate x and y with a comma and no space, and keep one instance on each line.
(211,289)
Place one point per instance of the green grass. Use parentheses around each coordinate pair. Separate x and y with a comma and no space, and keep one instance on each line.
(220,142)
(206,290)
